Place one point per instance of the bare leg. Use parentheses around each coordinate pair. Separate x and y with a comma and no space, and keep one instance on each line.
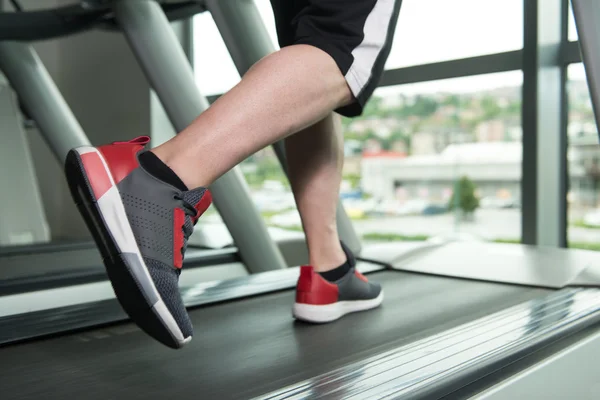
(283,93)
(315,159)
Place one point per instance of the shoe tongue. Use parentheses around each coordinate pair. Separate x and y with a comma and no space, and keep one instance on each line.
(199,198)
(193,196)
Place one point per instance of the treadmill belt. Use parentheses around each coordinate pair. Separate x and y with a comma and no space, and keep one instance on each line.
(245,348)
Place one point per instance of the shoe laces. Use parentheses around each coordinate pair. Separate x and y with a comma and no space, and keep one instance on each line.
(187,227)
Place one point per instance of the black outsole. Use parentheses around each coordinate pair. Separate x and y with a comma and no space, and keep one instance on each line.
(127,289)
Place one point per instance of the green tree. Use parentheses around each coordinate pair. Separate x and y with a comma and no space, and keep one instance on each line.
(346,122)
(397,135)
(490,107)
(513,108)
(467,201)
(424,106)
(373,108)
(354,180)
(452,100)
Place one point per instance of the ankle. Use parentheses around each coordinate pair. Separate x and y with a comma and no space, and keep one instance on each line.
(327,260)
(189,177)
(335,270)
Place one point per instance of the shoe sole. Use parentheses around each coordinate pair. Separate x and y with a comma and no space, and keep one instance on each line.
(331,312)
(107,220)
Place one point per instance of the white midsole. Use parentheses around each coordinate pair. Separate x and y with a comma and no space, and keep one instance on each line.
(115,217)
(331,312)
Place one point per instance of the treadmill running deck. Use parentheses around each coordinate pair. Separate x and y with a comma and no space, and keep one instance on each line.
(246,348)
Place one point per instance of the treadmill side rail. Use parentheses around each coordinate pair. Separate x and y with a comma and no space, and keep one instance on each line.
(37,324)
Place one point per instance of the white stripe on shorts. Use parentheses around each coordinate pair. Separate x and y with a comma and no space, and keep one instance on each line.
(365,55)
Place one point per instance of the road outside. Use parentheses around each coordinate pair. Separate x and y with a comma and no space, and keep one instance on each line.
(488,224)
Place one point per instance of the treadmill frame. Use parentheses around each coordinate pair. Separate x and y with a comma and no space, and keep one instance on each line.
(39,324)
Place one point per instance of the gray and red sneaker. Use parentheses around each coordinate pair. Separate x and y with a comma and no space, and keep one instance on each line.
(320,301)
(141,226)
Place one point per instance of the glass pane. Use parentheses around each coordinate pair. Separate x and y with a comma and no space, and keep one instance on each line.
(214,69)
(405,155)
(414,130)
(572,27)
(421,36)
(439,30)
(271,192)
(584,164)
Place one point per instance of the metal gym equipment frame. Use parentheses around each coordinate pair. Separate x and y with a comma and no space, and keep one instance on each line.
(38,92)
(168,70)
(587,16)
(61,131)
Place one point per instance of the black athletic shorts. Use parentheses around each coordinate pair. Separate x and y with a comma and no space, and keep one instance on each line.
(357,34)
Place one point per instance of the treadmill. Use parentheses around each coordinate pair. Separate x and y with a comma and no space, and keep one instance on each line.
(435,336)
(460,319)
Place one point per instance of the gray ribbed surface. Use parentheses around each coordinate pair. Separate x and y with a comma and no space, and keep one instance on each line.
(405,372)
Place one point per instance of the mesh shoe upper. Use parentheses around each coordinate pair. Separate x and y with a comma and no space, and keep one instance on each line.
(162,218)
(354,286)
(313,289)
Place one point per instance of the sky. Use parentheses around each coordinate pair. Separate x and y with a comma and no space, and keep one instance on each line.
(427,31)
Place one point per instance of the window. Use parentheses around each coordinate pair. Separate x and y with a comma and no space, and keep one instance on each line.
(439,30)
(271,192)
(572,28)
(416,143)
(405,155)
(457,29)
(213,67)
(583,198)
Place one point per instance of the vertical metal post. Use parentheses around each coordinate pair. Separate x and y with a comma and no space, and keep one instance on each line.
(564,179)
(248,41)
(38,92)
(542,169)
(167,68)
(587,21)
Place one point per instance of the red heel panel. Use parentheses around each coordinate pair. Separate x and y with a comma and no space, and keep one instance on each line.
(140,140)
(121,157)
(313,289)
